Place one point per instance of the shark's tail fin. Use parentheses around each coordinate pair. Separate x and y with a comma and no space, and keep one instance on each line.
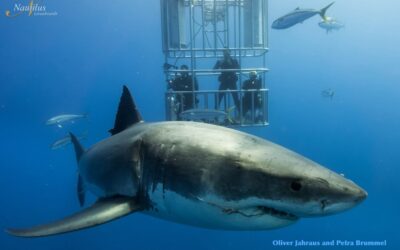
(323,11)
(229,115)
(79,150)
(80,190)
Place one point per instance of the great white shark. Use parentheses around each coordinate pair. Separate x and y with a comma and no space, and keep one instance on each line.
(198,174)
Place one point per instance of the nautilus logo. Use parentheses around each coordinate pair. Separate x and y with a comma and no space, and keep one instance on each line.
(31,8)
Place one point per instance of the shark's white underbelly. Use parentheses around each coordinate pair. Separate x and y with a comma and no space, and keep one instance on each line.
(209,213)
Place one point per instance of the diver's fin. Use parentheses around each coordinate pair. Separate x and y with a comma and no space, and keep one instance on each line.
(81,191)
(79,150)
(229,114)
(323,10)
(103,211)
(127,114)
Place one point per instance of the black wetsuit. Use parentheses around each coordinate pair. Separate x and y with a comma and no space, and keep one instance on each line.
(248,98)
(185,83)
(228,79)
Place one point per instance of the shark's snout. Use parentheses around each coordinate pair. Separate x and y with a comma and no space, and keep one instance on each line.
(360,196)
(350,190)
(340,195)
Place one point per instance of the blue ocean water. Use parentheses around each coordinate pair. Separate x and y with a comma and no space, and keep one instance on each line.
(77,61)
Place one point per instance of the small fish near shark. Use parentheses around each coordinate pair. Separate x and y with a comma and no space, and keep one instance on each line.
(66,140)
(203,115)
(208,115)
(298,16)
(198,174)
(329,24)
(59,120)
(328,93)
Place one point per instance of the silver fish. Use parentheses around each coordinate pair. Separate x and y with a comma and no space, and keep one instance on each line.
(60,119)
(203,114)
(60,143)
(327,93)
(298,16)
(330,24)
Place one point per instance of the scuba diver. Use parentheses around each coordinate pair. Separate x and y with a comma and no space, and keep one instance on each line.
(228,79)
(184,82)
(251,98)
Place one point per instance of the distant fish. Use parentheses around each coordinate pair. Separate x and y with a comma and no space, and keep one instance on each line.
(203,114)
(60,143)
(207,115)
(330,24)
(328,93)
(298,16)
(60,119)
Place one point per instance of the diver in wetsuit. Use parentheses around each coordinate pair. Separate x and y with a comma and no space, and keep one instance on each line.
(184,82)
(252,98)
(228,79)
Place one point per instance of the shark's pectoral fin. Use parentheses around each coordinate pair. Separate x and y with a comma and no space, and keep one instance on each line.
(103,211)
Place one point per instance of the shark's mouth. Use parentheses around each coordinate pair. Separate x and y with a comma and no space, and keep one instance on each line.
(261,211)
(254,211)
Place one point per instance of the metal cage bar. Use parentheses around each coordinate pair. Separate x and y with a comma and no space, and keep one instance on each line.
(255,114)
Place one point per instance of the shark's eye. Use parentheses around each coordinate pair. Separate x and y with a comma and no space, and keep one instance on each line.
(295,186)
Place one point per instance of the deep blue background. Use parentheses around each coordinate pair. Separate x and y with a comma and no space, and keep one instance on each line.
(77,61)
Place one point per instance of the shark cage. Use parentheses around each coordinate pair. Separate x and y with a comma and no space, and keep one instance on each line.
(215,61)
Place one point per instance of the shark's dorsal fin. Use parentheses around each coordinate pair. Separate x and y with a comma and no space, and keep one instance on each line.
(103,211)
(297,8)
(79,150)
(127,114)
